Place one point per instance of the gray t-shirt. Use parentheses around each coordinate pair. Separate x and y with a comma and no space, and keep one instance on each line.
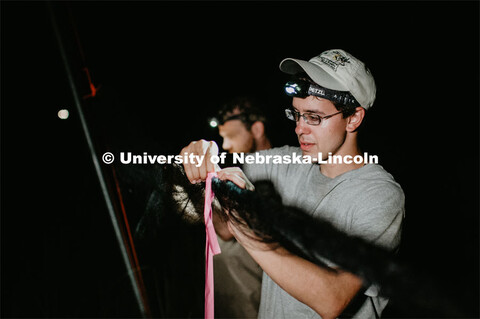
(365,202)
(238,281)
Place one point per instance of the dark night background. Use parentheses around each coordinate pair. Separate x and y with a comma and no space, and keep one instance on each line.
(162,69)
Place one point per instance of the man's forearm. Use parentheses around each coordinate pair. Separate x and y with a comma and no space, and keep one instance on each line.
(326,292)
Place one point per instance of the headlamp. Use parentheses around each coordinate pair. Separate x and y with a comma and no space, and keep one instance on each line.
(301,88)
(216,121)
(213,122)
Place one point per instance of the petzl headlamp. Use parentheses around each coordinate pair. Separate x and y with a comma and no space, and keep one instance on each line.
(302,88)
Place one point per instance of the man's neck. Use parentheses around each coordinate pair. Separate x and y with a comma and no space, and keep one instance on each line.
(334,170)
(349,148)
(263,144)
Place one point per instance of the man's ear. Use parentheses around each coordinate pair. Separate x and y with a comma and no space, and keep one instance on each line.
(355,119)
(257,129)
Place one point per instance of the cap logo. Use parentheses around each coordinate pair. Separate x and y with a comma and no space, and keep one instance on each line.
(337,59)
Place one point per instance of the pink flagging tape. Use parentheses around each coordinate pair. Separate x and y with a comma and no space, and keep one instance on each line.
(211,247)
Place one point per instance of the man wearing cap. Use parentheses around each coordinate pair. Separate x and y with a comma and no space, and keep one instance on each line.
(331,93)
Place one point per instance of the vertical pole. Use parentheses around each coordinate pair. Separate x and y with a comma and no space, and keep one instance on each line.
(123,249)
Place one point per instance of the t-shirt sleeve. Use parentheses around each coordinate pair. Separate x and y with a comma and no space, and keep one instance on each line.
(379,216)
(259,170)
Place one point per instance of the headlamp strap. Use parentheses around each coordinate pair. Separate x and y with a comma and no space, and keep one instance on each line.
(343,97)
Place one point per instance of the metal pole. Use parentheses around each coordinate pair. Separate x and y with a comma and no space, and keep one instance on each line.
(98,170)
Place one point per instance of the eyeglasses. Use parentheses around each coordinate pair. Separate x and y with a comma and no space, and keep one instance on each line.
(309,118)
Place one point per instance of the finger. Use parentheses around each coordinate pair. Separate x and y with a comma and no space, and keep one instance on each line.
(208,158)
(202,171)
(191,170)
(202,166)
(230,171)
(233,177)
(227,171)
(196,168)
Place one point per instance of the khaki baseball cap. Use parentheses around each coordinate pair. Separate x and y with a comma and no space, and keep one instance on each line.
(337,70)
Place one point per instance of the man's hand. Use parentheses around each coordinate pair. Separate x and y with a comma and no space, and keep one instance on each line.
(247,238)
(200,148)
(198,174)
(237,176)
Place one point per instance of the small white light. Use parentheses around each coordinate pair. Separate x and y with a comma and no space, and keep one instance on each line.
(290,90)
(213,123)
(63,114)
